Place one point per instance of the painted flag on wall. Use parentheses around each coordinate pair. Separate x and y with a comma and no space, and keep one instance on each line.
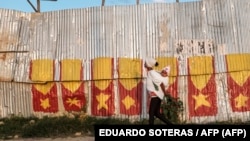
(130,85)
(238,79)
(44,95)
(172,62)
(102,97)
(73,96)
(201,86)
(72,87)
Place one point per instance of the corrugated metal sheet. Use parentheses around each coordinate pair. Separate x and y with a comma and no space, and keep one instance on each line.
(137,31)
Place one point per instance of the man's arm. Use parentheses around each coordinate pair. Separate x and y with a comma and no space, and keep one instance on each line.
(163,88)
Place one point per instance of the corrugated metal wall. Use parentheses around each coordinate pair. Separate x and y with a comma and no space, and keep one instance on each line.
(138,31)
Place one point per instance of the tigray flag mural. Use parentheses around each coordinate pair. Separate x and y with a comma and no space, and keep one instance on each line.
(238,79)
(73,96)
(173,81)
(72,85)
(201,86)
(130,85)
(102,97)
(44,95)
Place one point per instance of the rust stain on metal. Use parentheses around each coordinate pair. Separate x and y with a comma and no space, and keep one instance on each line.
(5,40)
(35,17)
(6,56)
(3,56)
(5,79)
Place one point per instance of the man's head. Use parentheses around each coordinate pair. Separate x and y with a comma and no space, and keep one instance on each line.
(165,71)
(150,63)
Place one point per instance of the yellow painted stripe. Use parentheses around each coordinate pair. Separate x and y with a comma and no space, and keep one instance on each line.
(71,69)
(129,68)
(42,70)
(238,62)
(201,70)
(72,86)
(102,68)
(44,88)
(239,67)
(201,65)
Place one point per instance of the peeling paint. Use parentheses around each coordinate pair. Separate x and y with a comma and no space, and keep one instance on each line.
(2,56)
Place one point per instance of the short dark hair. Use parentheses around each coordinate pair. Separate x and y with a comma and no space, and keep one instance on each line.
(156,64)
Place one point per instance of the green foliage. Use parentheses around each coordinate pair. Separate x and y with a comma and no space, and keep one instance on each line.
(53,126)
(13,126)
(172,108)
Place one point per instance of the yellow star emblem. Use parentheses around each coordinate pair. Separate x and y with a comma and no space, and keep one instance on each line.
(102,98)
(240,101)
(45,103)
(128,102)
(200,100)
(73,101)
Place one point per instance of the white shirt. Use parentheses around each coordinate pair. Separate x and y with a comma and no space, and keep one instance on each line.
(154,79)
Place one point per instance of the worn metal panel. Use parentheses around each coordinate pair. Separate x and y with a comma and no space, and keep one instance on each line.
(15,99)
(6,62)
(145,30)
(132,31)
(13,41)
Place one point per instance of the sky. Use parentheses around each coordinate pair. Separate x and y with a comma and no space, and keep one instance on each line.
(46,5)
